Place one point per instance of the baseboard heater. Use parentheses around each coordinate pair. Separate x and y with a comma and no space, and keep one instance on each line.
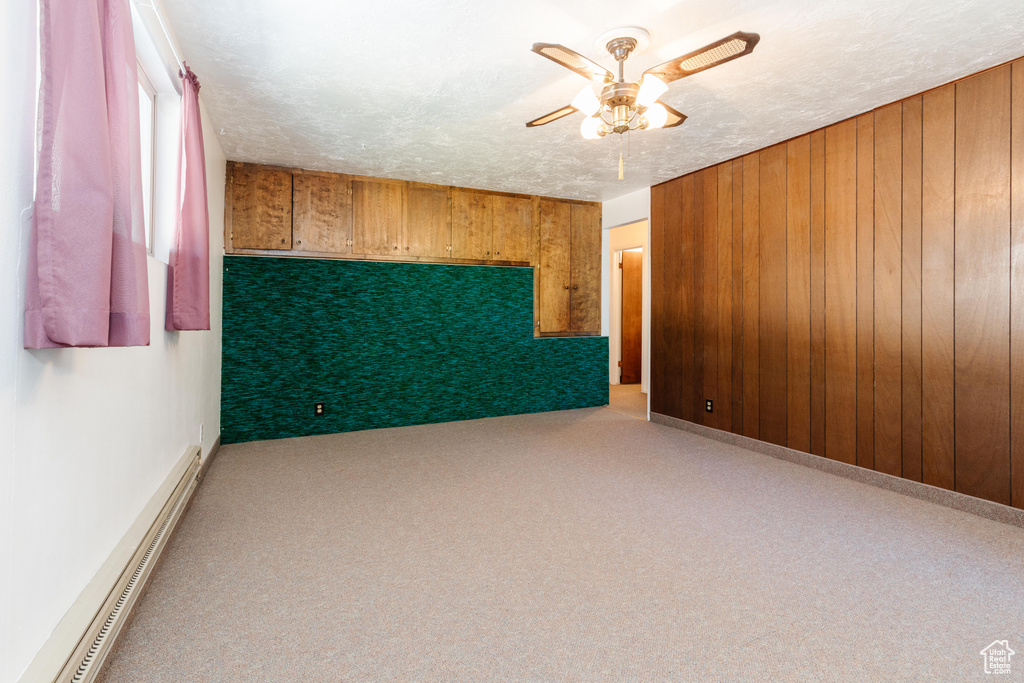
(82,663)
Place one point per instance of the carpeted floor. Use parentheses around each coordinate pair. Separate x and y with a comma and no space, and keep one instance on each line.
(627,398)
(582,545)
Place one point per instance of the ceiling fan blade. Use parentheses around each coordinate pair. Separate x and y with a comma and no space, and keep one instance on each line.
(718,52)
(674,118)
(574,61)
(553,116)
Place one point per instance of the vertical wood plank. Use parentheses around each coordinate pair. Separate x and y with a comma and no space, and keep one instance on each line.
(911,369)
(751,294)
(737,297)
(1017,289)
(674,292)
(710,290)
(818,292)
(723,402)
(322,213)
(982,299)
(938,163)
(697,218)
(798,292)
(865,290)
(585,268)
(659,378)
(682,195)
(555,220)
(841,292)
(773,370)
(888,288)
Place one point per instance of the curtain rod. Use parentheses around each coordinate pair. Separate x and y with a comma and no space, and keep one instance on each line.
(163,26)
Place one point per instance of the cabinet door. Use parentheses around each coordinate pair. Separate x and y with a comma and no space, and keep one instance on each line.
(512,231)
(553,278)
(322,213)
(471,224)
(428,221)
(377,214)
(585,269)
(261,208)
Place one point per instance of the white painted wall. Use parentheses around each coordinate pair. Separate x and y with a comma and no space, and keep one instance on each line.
(625,210)
(86,435)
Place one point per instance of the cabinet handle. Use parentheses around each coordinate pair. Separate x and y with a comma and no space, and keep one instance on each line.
(567,286)
(575,287)
(486,253)
(497,253)
(396,246)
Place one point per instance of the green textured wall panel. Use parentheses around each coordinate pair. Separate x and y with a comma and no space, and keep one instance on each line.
(389,344)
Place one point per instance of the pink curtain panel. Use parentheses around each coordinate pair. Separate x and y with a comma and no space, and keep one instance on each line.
(87,282)
(188,277)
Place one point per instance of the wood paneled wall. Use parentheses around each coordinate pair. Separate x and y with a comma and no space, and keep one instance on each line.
(858,292)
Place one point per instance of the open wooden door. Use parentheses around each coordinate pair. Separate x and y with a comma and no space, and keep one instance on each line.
(632,311)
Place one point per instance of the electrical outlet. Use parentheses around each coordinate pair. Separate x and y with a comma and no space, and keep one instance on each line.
(709,406)
(318,410)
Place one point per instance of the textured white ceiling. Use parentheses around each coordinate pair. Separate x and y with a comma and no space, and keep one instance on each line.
(439,91)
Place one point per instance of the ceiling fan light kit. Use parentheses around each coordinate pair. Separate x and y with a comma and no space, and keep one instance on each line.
(624,106)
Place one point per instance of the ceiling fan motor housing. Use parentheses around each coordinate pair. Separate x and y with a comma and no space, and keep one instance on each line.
(620,98)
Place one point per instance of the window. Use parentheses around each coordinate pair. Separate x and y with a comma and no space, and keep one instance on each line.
(147,129)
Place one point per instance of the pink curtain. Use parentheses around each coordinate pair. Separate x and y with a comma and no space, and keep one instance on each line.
(87,283)
(188,277)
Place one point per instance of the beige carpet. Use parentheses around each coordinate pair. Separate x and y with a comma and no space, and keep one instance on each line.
(575,546)
(627,398)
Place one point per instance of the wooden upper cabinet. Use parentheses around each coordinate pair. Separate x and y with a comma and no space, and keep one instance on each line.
(472,216)
(377,214)
(585,269)
(512,229)
(553,274)
(322,213)
(261,208)
(428,221)
(341,216)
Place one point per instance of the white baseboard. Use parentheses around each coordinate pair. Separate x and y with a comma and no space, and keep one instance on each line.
(75,650)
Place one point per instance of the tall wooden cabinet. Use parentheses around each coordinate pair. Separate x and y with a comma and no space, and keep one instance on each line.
(278,212)
(569,269)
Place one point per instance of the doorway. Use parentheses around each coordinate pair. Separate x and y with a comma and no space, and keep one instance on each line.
(627,312)
(631,271)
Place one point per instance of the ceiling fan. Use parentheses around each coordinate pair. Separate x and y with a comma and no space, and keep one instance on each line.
(621,107)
